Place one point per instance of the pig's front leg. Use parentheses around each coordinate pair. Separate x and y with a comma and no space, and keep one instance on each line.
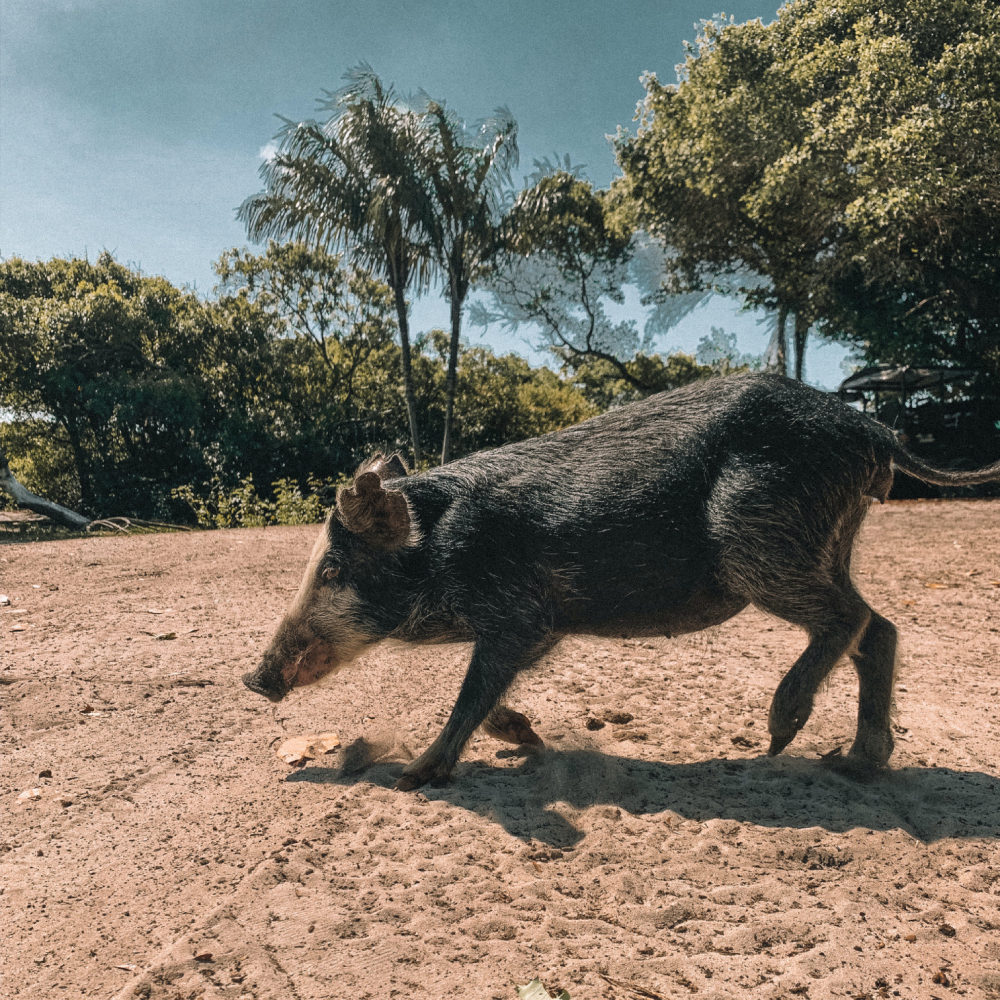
(495,663)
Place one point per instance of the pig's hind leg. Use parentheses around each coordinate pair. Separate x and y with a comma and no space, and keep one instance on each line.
(495,663)
(819,599)
(875,663)
(834,618)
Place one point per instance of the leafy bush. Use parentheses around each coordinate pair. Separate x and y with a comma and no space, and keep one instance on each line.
(242,507)
(291,507)
(41,458)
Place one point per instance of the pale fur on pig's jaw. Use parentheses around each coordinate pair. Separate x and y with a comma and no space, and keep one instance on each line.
(337,643)
(328,613)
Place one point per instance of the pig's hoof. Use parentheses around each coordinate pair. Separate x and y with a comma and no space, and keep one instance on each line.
(511,727)
(418,776)
(408,782)
(787,716)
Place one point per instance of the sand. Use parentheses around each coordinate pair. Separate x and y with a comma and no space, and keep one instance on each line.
(170,854)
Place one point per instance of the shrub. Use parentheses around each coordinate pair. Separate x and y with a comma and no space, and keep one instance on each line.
(243,507)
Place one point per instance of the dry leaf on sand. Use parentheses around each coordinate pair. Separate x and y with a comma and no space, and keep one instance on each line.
(296,751)
(536,991)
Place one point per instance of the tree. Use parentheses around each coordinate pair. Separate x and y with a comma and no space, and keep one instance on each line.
(703,146)
(562,258)
(603,385)
(463,171)
(344,314)
(848,153)
(147,387)
(130,397)
(100,351)
(568,252)
(25,498)
(331,325)
(349,183)
(498,398)
(399,186)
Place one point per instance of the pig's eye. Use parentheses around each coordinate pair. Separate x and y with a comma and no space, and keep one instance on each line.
(330,572)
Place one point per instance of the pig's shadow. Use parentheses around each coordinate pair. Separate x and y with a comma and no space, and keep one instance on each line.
(784,791)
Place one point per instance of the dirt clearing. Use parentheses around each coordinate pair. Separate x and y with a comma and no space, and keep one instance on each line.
(168,853)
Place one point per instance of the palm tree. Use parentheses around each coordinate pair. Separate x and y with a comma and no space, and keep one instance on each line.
(459,209)
(348,183)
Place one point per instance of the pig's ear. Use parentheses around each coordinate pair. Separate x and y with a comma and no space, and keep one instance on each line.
(392,467)
(381,517)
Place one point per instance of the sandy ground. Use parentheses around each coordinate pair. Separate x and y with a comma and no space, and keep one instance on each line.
(667,853)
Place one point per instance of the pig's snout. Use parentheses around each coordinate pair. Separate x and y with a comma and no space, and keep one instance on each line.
(275,676)
(284,668)
(266,683)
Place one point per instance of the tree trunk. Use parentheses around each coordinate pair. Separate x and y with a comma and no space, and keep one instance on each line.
(801,333)
(779,343)
(25,498)
(404,340)
(80,461)
(449,385)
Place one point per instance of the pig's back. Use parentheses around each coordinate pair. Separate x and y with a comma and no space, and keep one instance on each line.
(628,508)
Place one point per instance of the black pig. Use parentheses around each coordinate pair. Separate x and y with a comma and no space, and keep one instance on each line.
(663,517)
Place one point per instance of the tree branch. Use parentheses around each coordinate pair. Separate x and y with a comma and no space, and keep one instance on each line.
(25,498)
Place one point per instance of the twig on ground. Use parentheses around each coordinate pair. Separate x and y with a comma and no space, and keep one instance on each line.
(634,987)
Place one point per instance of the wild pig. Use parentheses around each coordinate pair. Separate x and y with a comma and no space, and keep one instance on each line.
(659,518)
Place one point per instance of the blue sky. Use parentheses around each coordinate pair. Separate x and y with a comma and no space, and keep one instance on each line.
(138,127)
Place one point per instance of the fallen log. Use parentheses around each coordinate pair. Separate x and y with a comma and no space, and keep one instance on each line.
(23,497)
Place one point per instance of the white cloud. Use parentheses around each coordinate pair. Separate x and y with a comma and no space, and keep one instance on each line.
(269,151)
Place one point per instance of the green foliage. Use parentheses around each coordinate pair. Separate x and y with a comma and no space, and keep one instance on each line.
(109,356)
(848,153)
(41,458)
(339,320)
(406,189)
(128,393)
(498,399)
(563,216)
(292,507)
(601,384)
(242,507)
(151,387)
(239,507)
